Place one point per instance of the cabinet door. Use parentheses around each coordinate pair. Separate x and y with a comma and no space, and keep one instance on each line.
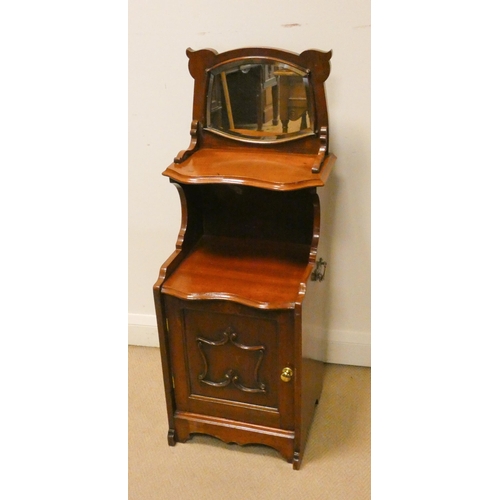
(227,361)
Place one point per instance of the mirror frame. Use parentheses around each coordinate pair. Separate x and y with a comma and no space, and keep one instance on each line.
(315,63)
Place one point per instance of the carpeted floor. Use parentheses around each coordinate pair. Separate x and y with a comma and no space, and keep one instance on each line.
(336,463)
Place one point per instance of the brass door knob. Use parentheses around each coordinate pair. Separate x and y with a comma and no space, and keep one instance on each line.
(286,374)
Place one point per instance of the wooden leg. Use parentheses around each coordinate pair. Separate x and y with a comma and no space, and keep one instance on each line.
(171,437)
(297,460)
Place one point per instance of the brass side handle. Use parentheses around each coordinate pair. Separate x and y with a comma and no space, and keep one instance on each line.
(319,272)
(286,374)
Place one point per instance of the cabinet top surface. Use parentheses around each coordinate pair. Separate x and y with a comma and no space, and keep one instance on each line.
(269,170)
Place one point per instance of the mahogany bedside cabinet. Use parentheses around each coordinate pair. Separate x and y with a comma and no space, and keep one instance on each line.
(231,300)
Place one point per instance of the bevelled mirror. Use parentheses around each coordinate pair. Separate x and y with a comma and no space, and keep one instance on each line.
(259,100)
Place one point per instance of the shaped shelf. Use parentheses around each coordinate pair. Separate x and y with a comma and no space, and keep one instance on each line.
(257,273)
(269,170)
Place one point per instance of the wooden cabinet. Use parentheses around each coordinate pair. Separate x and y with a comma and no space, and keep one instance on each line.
(230,300)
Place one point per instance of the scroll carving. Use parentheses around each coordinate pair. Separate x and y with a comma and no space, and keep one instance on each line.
(323,149)
(193,145)
(231,376)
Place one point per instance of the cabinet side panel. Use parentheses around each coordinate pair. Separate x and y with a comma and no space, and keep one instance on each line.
(310,379)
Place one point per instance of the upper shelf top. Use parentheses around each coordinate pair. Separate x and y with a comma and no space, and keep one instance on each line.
(270,170)
(259,118)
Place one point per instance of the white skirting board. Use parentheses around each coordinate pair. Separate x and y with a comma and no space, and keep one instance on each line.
(341,347)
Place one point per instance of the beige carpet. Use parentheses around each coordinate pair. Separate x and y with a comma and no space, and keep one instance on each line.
(336,463)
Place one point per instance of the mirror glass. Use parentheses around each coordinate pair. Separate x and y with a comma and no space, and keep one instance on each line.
(259,101)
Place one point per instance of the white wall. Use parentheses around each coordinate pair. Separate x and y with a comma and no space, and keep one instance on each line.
(160,101)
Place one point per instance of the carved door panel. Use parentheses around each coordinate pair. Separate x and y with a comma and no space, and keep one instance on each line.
(229,360)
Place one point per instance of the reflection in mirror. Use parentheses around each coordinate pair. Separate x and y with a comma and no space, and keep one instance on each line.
(259,101)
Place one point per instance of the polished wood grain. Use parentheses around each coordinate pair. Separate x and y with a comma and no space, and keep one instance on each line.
(261,274)
(188,424)
(223,361)
(268,169)
(230,300)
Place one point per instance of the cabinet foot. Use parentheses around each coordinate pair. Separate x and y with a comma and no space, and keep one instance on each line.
(297,460)
(171,437)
